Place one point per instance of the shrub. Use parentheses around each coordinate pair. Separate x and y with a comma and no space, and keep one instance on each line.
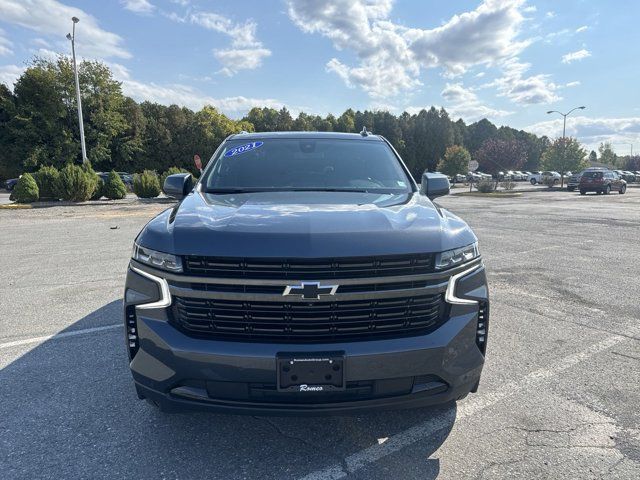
(98,193)
(76,183)
(485,185)
(114,187)
(26,190)
(508,184)
(88,169)
(47,180)
(146,184)
(171,171)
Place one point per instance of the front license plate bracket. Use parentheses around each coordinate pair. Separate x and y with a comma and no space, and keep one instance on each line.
(310,372)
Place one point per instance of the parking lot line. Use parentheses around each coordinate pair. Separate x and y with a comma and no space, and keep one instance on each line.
(475,404)
(56,336)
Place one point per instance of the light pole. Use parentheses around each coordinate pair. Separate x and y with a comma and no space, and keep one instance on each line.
(564,130)
(72,37)
(564,116)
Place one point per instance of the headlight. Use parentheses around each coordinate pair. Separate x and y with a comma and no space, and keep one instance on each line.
(165,261)
(457,256)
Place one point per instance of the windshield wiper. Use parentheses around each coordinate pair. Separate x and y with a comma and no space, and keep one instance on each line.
(312,189)
(234,190)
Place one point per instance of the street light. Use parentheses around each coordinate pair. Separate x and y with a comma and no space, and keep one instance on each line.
(72,38)
(564,116)
(564,129)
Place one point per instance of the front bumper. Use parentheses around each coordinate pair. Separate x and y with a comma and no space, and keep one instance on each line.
(179,372)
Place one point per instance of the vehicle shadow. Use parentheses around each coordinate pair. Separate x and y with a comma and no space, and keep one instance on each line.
(69,410)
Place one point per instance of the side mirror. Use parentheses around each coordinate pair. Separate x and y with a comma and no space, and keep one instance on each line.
(178,185)
(434,185)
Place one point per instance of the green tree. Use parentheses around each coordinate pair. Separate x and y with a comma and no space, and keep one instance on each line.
(114,188)
(47,180)
(564,155)
(456,160)
(607,155)
(26,190)
(146,184)
(76,184)
(593,156)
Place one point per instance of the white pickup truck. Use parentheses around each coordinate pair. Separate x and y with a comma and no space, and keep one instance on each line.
(539,177)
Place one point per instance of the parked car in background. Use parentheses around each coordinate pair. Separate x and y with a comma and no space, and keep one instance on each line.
(527,175)
(522,176)
(573,181)
(602,181)
(515,176)
(541,177)
(10,184)
(630,177)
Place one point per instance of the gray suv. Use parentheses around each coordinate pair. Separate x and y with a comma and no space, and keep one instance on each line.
(305,273)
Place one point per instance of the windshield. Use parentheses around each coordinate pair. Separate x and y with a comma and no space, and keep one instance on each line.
(306,164)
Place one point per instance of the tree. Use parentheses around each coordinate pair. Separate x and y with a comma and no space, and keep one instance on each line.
(114,188)
(565,154)
(456,160)
(633,163)
(593,156)
(607,155)
(500,155)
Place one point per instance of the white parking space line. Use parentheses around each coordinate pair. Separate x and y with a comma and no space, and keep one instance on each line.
(473,405)
(56,336)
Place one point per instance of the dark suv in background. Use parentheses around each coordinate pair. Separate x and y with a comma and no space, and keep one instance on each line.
(602,181)
(305,273)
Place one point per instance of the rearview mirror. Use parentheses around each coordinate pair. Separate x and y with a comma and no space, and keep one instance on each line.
(434,185)
(178,185)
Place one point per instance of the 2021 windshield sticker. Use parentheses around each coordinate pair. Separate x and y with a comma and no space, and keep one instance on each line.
(243,149)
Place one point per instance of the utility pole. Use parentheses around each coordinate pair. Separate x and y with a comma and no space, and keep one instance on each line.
(72,37)
(564,130)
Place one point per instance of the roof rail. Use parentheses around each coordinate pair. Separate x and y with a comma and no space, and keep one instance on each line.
(364,132)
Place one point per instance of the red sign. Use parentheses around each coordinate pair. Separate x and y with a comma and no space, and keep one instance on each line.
(197,161)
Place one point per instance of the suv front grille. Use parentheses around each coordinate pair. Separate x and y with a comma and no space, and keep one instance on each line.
(312,322)
(309,269)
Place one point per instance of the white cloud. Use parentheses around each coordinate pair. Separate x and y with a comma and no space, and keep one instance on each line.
(50,17)
(5,44)
(186,95)
(464,103)
(576,56)
(573,84)
(9,74)
(522,89)
(390,56)
(592,131)
(582,29)
(246,52)
(143,7)
(550,14)
(240,59)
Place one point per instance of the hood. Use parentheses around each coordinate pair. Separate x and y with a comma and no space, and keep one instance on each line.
(304,225)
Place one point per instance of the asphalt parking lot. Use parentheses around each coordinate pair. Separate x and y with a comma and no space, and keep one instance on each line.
(559,398)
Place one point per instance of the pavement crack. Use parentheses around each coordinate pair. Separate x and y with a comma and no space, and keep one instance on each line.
(339,459)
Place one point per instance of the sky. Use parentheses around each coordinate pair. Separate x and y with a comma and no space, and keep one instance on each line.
(507,60)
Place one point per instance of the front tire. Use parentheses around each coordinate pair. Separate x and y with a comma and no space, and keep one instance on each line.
(533,181)
(583,192)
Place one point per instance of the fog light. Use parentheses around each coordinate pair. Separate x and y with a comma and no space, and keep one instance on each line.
(132,331)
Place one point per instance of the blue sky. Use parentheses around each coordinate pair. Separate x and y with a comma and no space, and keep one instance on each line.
(507,60)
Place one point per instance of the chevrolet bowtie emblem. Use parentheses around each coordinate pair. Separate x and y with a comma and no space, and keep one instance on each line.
(310,290)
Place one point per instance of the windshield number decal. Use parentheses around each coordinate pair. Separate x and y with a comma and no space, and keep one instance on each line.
(243,149)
